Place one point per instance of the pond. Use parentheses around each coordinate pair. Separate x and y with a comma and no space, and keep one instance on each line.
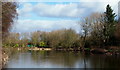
(61,59)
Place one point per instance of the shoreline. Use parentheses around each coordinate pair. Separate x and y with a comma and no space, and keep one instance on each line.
(5,56)
(36,49)
(86,50)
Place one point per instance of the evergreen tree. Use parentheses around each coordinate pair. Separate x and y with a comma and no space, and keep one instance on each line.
(109,26)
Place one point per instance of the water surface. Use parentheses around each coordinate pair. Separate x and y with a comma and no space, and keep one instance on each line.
(53,59)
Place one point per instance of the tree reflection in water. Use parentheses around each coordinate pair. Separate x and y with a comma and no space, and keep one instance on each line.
(61,59)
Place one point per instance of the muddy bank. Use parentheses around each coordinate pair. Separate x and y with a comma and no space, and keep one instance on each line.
(108,52)
(0,58)
(4,57)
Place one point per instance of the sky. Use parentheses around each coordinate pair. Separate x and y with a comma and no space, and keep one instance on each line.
(49,16)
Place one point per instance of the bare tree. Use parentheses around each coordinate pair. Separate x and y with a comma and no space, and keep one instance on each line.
(92,28)
(9,13)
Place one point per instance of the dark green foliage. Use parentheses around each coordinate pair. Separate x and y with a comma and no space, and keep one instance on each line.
(109,26)
(100,29)
(109,15)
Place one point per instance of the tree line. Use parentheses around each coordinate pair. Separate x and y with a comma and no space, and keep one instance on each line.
(100,30)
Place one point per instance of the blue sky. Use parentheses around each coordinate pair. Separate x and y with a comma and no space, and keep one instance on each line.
(49,16)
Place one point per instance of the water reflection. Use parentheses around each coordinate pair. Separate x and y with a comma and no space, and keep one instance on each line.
(55,59)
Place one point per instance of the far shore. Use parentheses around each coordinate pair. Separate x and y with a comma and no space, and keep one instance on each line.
(110,51)
(35,49)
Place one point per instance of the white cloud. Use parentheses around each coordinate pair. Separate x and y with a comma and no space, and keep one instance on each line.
(58,10)
(59,0)
(71,10)
(44,25)
(25,10)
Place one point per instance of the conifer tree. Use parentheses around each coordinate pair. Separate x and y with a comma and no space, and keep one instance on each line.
(109,26)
